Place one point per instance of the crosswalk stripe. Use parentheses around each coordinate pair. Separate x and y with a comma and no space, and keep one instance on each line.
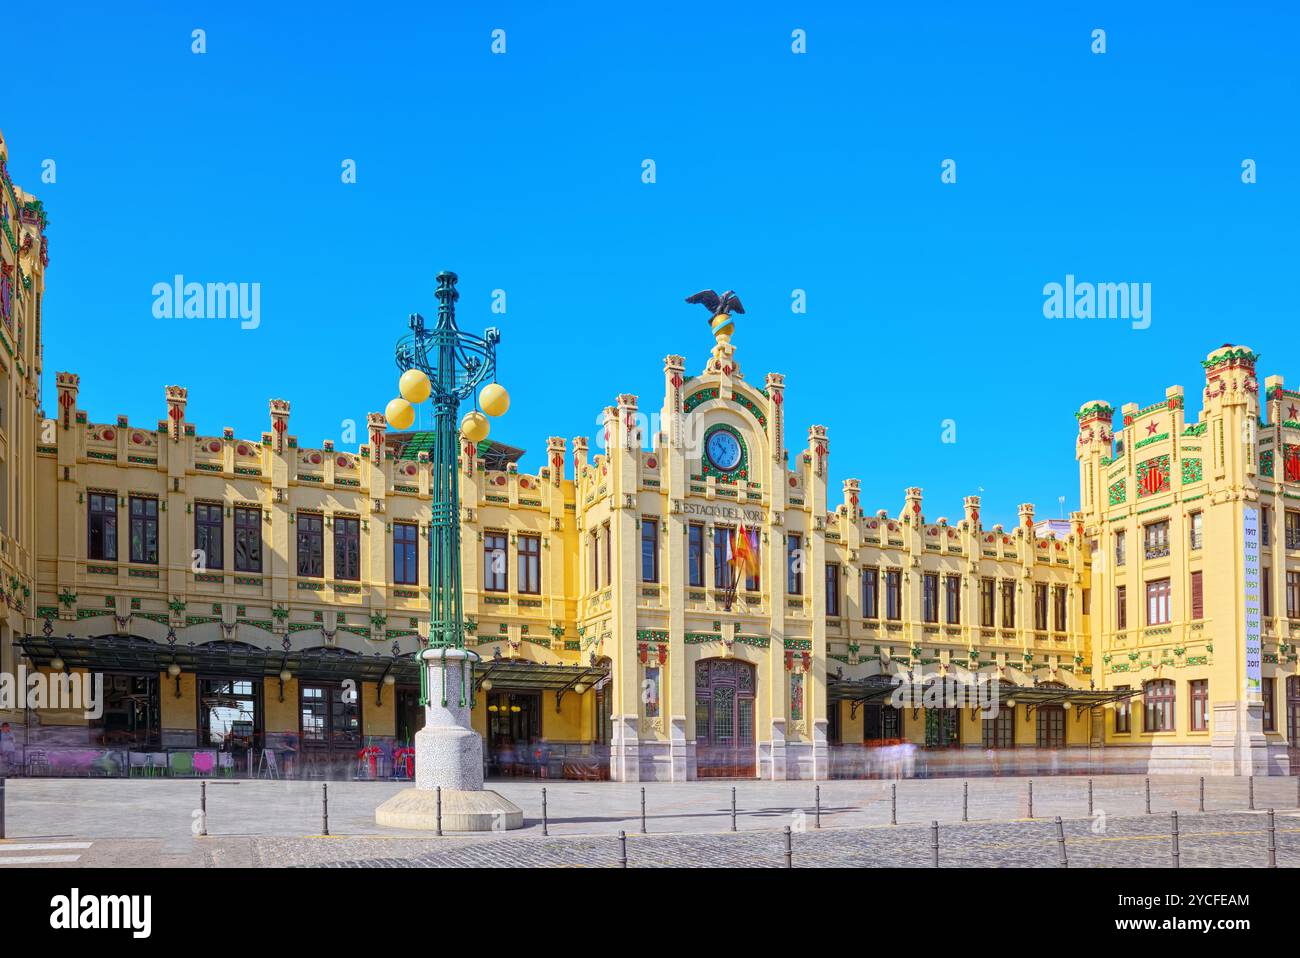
(38,859)
(38,846)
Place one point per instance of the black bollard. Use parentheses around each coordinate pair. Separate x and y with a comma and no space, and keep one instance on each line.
(1148,796)
(1201,806)
(324,809)
(965,801)
(1173,817)
(1089,798)
(2,806)
(545,824)
(642,809)
(203,808)
(934,843)
(893,804)
(1252,793)
(1060,842)
(733,808)
(1031,798)
(622,849)
(438,808)
(789,849)
(1272,840)
(818,801)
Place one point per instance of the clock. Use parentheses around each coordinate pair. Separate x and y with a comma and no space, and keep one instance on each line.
(723,450)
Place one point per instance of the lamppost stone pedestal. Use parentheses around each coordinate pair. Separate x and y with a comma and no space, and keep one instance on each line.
(449,754)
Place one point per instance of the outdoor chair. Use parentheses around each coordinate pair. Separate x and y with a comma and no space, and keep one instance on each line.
(181,764)
(226,762)
(137,763)
(157,764)
(38,761)
(204,762)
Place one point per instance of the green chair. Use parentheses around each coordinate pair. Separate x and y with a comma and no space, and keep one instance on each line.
(181,763)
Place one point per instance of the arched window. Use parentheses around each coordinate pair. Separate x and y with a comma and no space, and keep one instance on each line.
(1158,705)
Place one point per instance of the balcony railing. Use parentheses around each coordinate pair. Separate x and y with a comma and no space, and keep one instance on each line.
(1157,551)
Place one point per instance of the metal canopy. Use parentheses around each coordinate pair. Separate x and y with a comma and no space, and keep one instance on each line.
(113,653)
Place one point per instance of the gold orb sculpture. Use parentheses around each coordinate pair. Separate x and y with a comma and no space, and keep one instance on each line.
(414,386)
(474,426)
(399,413)
(494,399)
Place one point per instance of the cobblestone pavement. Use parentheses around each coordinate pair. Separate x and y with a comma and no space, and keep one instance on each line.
(260,823)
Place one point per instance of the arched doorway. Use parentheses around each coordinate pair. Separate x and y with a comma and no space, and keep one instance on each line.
(1051,720)
(724,719)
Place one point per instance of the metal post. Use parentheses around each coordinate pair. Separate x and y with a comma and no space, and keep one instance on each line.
(1089,798)
(1272,840)
(1060,842)
(965,801)
(818,818)
(733,808)
(934,843)
(1252,793)
(1148,796)
(789,850)
(2,806)
(203,808)
(893,804)
(1173,817)
(545,824)
(1031,798)
(622,849)
(642,809)
(1201,806)
(324,808)
(438,797)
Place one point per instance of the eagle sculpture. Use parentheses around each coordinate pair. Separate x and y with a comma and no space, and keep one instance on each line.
(717,305)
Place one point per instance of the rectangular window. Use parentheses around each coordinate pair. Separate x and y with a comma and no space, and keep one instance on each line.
(1120,539)
(930,597)
(248,539)
(1264,530)
(529,552)
(1008,604)
(1266,591)
(986,603)
(1158,602)
(1158,705)
(832,588)
(347,548)
(1198,596)
(101,521)
(1266,692)
(496,572)
(722,570)
(1292,520)
(144,530)
(1155,539)
(1058,608)
(871,593)
(1000,730)
(607,541)
(794,564)
(695,560)
(952,599)
(893,595)
(1200,696)
(595,560)
(1121,607)
(406,561)
(311,545)
(1040,607)
(1123,714)
(649,550)
(208,528)
(1293,595)
(1196,530)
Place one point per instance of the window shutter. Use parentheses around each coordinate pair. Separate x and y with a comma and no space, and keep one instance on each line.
(1198,602)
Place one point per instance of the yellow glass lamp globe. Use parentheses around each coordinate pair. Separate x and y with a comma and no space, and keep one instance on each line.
(400,414)
(494,399)
(414,386)
(474,426)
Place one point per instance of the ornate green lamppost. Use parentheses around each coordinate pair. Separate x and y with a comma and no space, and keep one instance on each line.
(446,366)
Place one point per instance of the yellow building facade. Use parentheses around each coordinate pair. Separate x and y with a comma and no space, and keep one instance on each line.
(254,603)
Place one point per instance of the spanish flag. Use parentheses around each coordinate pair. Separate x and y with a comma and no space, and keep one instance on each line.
(743,558)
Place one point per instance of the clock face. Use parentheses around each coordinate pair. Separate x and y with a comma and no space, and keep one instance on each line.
(723,450)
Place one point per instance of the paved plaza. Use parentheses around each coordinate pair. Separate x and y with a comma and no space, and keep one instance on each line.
(98,822)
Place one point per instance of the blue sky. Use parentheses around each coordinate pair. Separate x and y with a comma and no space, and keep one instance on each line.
(775,172)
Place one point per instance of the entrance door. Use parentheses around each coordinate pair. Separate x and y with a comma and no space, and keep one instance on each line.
(724,719)
(410,714)
(1051,721)
(230,719)
(1293,722)
(514,726)
(331,730)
